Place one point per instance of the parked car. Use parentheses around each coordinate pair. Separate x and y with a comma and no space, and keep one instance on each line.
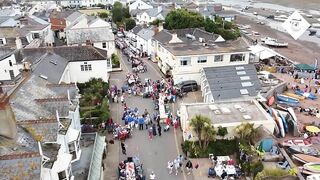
(120,34)
(187,86)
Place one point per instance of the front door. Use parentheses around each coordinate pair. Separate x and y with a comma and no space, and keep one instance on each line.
(11,74)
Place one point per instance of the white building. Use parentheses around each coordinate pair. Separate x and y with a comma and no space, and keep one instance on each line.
(183,53)
(141,39)
(139,5)
(91,31)
(67,3)
(32,31)
(149,15)
(9,68)
(227,114)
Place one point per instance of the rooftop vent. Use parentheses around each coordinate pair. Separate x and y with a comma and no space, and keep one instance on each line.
(213,107)
(247,117)
(189,36)
(217,112)
(225,110)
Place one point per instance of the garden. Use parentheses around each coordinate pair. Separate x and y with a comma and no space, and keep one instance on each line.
(94,104)
(211,141)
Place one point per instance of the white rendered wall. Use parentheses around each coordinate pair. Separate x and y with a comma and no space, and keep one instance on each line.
(5,67)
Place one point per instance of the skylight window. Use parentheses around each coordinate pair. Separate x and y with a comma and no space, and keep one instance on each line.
(241,73)
(239,68)
(247,84)
(244,91)
(243,78)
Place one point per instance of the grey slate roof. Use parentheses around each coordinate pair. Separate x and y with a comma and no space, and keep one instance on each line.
(80,36)
(154,12)
(73,16)
(5,52)
(51,66)
(146,33)
(136,29)
(195,47)
(65,14)
(225,83)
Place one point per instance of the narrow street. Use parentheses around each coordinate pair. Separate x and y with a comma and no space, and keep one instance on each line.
(154,154)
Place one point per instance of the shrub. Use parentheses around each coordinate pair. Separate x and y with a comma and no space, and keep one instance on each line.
(218,147)
(115,60)
(271,172)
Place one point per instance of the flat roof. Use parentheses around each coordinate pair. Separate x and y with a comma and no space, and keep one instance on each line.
(228,111)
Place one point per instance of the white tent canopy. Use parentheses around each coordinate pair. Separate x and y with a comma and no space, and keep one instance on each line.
(263,52)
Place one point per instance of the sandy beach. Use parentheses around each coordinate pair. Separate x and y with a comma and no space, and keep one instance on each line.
(298,4)
(299,51)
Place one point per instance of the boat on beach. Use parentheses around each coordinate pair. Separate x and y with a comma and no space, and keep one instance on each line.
(304,150)
(292,114)
(275,43)
(296,142)
(312,167)
(313,177)
(305,158)
(305,94)
(294,96)
(288,103)
(281,97)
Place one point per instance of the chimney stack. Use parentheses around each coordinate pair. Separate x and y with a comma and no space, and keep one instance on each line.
(18,42)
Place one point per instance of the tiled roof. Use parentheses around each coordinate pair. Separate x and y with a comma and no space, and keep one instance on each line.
(146,33)
(95,35)
(72,17)
(21,168)
(42,131)
(64,14)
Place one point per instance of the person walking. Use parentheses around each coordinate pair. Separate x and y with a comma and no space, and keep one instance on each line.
(150,132)
(159,129)
(170,166)
(154,129)
(122,99)
(189,167)
(147,120)
(141,123)
(124,148)
(176,165)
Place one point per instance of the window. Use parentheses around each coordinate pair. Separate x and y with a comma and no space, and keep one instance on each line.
(36,35)
(10,63)
(218,58)
(202,59)
(237,57)
(86,67)
(185,61)
(1,42)
(104,45)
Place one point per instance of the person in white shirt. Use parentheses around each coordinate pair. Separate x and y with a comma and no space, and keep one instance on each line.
(152,176)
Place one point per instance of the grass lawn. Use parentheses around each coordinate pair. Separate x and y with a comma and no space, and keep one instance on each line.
(93,11)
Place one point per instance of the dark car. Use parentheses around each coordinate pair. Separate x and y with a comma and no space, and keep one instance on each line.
(187,86)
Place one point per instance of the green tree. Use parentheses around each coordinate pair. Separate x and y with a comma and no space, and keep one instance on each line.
(209,134)
(103,15)
(222,131)
(156,22)
(119,13)
(246,132)
(115,60)
(129,23)
(198,124)
(182,18)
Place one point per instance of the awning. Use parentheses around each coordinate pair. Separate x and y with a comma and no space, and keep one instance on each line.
(305,67)
(263,52)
